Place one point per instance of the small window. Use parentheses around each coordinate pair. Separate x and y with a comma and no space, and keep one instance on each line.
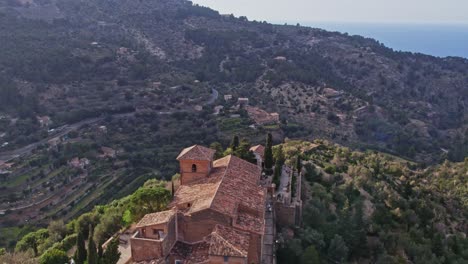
(189,205)
(178,261)
(194,168)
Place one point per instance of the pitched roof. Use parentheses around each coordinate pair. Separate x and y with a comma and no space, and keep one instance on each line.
(196,152)
(191,253)
(259,149)
(225,241)
(231,187)
(156,218)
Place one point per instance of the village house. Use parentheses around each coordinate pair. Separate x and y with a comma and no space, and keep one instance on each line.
(331,93)
(108,152)
(243,101)
(79,163)
(217,214)
(258,151)
(54,142)
(102,129)
(44,121)
(227,97)
(5,167)
(262,117)
(218,109)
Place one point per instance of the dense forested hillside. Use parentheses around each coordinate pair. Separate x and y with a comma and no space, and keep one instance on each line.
(76,59)
(358,208)
(375,208)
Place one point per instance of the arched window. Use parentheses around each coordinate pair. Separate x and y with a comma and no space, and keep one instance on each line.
(194,168)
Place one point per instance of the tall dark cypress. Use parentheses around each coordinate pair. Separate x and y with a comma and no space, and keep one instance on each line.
(298,164)
(80,254)
(235,143)
(100,251)
(112,254)
(269,154)
(92,253)
(172,188)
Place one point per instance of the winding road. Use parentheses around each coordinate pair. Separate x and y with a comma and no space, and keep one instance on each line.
(12,154)
(9,155)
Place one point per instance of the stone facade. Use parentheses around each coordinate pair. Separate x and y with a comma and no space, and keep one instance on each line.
(193,170)
(217,214)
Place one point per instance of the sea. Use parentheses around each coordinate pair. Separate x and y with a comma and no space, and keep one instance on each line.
(440,40)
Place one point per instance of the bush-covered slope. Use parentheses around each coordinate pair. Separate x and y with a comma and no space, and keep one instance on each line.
(374,208)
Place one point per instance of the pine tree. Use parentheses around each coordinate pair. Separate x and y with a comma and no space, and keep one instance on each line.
(268,154)
(54,256)
(92,253)
(112,254)
(80,254)
(234,143)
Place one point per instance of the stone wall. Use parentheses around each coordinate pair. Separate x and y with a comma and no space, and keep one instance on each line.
(145,249)
(170,239)
(285,215)
(255,248)
(187,176)
(147,231)
(195,227)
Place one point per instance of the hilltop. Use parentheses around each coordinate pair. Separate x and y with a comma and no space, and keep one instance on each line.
(359,207)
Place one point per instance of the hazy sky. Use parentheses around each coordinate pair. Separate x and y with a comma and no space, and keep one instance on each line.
(383,11)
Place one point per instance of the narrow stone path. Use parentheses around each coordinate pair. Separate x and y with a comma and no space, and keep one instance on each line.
(268,251)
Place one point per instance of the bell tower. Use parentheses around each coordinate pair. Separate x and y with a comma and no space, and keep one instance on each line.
(195,163)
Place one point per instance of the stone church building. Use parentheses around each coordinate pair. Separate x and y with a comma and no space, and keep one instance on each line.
(217,214)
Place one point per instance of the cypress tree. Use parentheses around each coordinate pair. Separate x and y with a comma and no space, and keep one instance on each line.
(80,253)
(277,175)
(92,253)
(268,154)
(172,188)
(112,254)
(298,164)
(100,252)
(234,143)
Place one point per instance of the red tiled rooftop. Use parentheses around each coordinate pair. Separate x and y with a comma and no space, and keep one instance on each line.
(231,183)
(225,241)
(196,152)
(248,221)
(259,149)
(156,218)
(191,253)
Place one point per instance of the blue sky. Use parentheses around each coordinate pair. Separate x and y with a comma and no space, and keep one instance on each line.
(357,11)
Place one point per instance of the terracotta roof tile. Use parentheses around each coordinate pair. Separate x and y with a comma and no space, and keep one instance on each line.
(231,186)
(191,253)
(259,149)
(225,241)
(196,152)
(156,218)
(248,221)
